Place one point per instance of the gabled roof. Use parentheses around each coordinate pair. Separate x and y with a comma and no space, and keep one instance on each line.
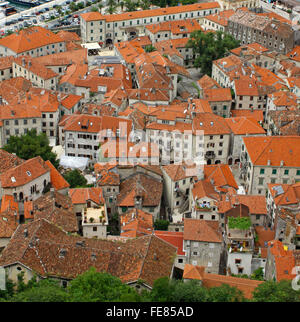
(49,251)
(56,179)
(29,38)
(206,82)
(244,125)
(179,171)
(284,260)
(8,223)
(202,230)
(204,188)
(211,124)
(8,161)
(255,114)
(274,148)
(217,94)
(246,285)
(285,194)
(82,195)
(140,185)
(174,238)
(24,173)
(220,175)
(93,16)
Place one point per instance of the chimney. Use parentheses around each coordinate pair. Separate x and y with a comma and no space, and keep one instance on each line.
(281,163)
(269,162)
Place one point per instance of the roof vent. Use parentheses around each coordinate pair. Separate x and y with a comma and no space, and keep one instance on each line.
(80,243)
(62,253)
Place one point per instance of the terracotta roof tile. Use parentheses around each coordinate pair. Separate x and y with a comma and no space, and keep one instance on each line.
(8,161)
(57,180)
(8,223)
(202,230)
(93,16)
(244,126)
(29,38)
(24,173)
(174,238)
(217,94)
(82,195)
(57,254)
(148,188)
(275,149)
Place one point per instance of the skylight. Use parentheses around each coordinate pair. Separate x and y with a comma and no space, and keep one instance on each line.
(13,179)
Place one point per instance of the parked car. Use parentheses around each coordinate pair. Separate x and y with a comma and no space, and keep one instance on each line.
(34,21)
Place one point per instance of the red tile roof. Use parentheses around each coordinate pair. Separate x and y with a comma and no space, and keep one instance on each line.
(29,38)
(275,149)
(217,94)
(82,195)
(174,238)
(202,230)
(8,161)
(48,251)
(94,16)
(148,188)
(244,125)
(57,180)
(24,173)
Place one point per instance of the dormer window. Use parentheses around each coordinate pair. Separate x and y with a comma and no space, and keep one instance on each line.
(28,173)
(13,179)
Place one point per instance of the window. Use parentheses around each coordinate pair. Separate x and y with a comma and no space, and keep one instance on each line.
(262,171)
(94,228)
(238,261)
(274,171)
(286,172)
(298,173)
(180,260)
(260,181)
(16,122)
(257,217)
(195,253)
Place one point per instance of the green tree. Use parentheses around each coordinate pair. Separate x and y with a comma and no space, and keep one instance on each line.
(43,291)
(163,290)
(272,291)
(258,274)
(130,5)
(75,179)
(210,46)
(189,291)
(225,293)
(94,9)
(161,224)
(30,145)
(149,48)
(145,4)
(93,286)
(73,6)
(112,6)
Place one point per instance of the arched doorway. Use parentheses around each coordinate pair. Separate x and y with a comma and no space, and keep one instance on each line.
(108,42)
(217,161)
(21,196)
(230,161)
(209,161)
